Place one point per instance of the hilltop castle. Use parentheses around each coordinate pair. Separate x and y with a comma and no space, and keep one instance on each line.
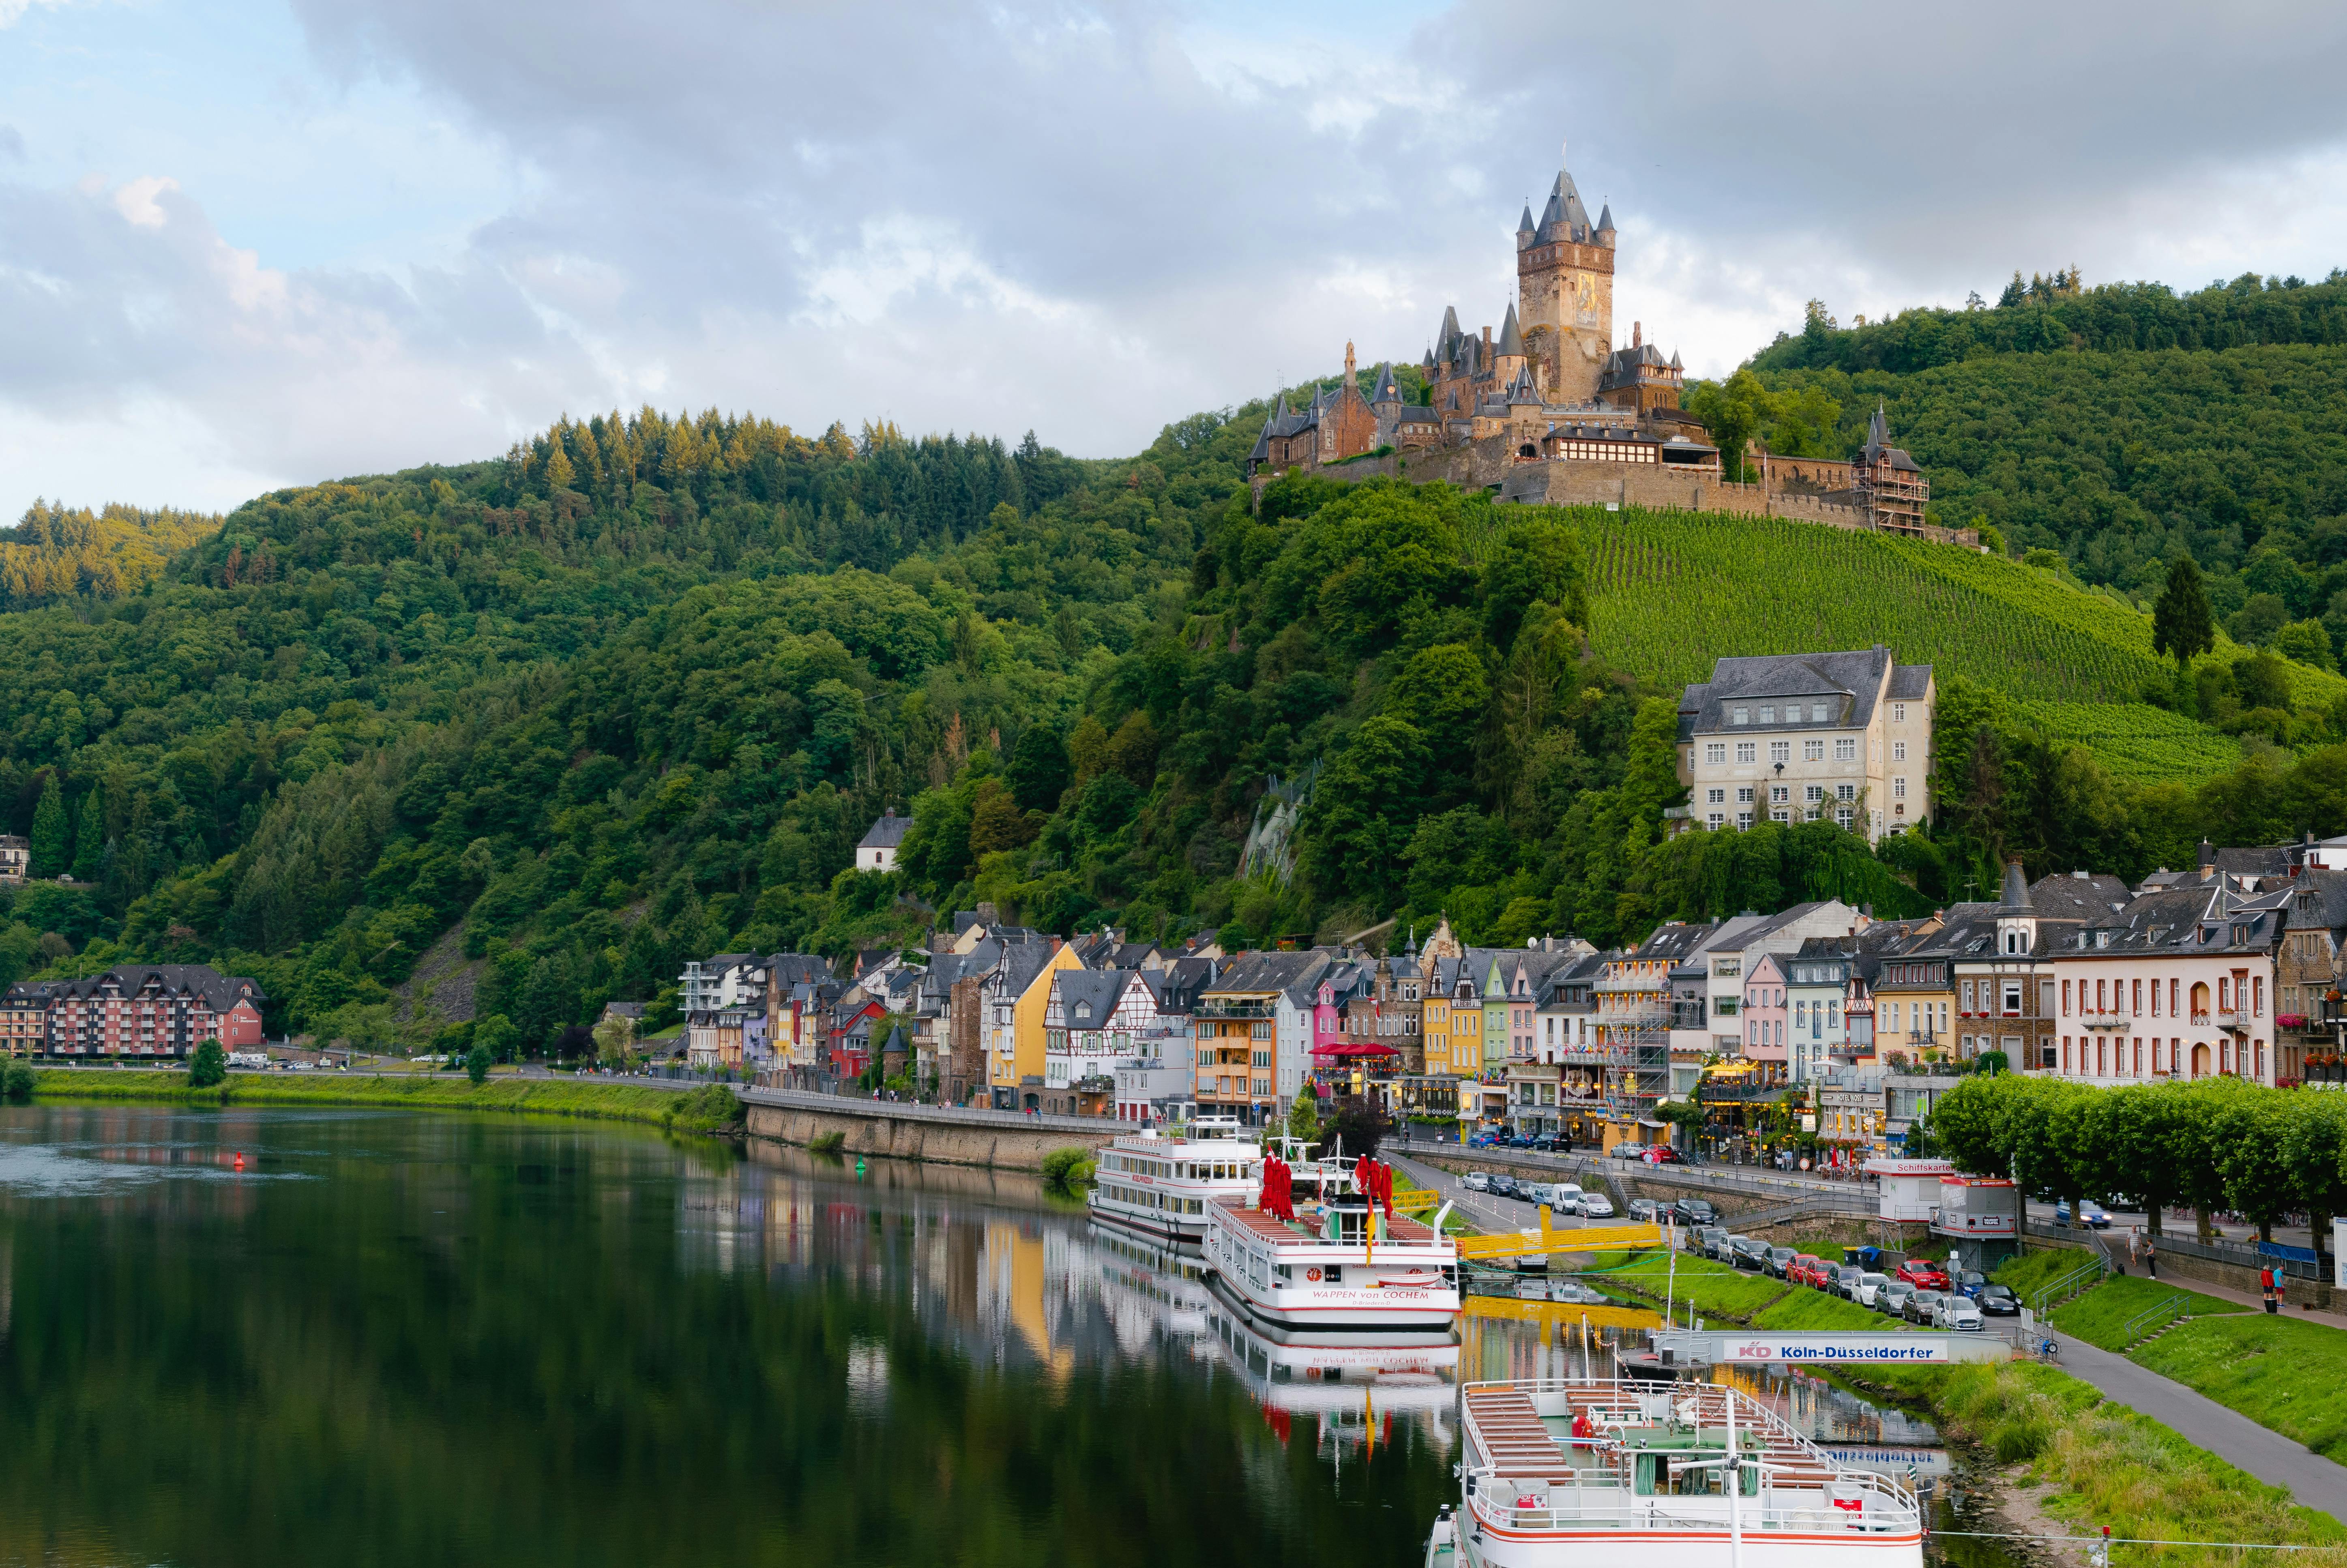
(1551,382)
(1549,409)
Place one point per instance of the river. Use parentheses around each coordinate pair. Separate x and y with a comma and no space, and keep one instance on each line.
(360,1338)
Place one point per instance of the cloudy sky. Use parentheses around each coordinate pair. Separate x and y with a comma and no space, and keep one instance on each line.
(247,245)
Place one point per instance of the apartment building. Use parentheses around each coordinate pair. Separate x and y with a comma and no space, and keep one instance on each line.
(1809,737)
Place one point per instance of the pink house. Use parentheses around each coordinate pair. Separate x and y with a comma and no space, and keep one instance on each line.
(1765,1012)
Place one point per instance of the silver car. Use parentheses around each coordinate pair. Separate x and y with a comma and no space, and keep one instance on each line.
(1957,1313)
(1593,1205)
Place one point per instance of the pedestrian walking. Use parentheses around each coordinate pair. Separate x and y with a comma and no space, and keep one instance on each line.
(2150,1258)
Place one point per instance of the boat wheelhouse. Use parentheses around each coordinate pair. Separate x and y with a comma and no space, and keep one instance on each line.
(1161,1184)
(1563,1474)
(1338,1270)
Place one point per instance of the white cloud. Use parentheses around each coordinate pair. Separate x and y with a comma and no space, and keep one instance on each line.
(1087,220)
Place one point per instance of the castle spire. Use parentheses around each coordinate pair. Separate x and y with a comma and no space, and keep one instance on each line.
(1512,338)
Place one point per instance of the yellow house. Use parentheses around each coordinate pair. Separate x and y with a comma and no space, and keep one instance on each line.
(1017,1052)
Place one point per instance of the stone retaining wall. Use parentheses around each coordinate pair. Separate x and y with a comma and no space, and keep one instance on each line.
(916,1133)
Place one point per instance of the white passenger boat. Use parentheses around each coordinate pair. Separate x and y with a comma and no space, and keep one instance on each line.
(1571,1474)
(1340,1269)
(1160,1184)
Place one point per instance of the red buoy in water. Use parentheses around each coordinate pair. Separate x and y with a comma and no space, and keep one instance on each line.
(239,1161)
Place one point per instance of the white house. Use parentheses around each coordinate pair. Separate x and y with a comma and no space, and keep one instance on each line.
(2180,983)
(876,851)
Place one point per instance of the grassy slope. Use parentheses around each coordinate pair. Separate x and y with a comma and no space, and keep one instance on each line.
(2039,1267)
(2113,1466)
(1807,1309)
(2281,1372)
(1716,1290)
(537,1096)
(2101,1316)
(1671,591)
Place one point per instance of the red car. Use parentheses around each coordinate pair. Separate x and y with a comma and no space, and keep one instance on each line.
(1803,1269)
(1923,1274)
(1662,1155)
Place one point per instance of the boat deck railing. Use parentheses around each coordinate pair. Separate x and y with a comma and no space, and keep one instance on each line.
(1523,1476)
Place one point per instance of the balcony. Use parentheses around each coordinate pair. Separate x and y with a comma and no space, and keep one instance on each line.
(2236,1019)
(1217,1007)
(2105,1021)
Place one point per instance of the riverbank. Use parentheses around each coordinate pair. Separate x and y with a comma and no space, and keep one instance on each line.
(604,1102)
(2071,1462)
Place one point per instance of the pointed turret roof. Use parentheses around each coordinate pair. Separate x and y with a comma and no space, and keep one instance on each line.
(1449,334)
(1674,361)
(1605,219)
(1565,214)
(1262,452)
(1524,224)
(1878,433)
(2015,896)
(1521,390)
(1510,340)
(1385,390)
(1427,363)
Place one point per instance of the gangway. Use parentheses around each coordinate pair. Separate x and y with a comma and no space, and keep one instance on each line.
(1549,1240)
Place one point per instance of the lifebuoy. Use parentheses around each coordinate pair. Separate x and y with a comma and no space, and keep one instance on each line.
(1313,1276)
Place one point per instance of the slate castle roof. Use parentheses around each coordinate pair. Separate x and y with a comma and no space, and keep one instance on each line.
(888,832)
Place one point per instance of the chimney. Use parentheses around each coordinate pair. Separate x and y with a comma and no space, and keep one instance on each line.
(1348,359)
(1637,334)
(1487,338)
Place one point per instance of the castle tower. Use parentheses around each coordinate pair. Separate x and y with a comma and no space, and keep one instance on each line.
(1564,293)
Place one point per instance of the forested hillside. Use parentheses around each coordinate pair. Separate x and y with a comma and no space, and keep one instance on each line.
(2120,427)
(630,694)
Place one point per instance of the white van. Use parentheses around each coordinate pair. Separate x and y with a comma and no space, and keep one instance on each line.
(248,1059)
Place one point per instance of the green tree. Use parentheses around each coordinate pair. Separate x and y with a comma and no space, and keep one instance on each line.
(495,1035)
(89,840)
(51,843)
(209,1066)
(1039,771)
(477,1065)
(1734,411)
(1304,1118)
(2181,626)
(1540,561)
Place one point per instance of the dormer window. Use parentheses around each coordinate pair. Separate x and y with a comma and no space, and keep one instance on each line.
(1768,715)
(1083,1009)
(1740,716)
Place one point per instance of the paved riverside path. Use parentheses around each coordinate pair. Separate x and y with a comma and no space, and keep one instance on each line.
(2314,1481)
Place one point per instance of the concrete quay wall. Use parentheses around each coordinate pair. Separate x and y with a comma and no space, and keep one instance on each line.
(942,1134)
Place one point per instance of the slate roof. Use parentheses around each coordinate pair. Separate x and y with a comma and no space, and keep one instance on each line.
(1675,942)
(1088,998)
(1605,219)
(1512,337)
(1565,217)
(1878,448)
(2091,896)
(888,832)
(1258,972)
(2202,919)
(217,991)
(1845,683)
(1385,390)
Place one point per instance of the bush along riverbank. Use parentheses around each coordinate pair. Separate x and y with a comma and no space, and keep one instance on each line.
(2070,1462)
(712,1108)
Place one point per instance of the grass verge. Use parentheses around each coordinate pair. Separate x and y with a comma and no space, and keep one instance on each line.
(2033,1270)
(1716,1290)
(2113,1467)
(1807,1309)
(433,1092)
(2101,1316)
(2282,1373)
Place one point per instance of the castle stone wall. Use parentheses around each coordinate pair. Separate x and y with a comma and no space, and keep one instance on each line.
(1490,465)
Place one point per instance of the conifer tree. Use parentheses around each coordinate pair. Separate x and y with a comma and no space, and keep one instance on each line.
(2180,622)
(557,465)
(89,843)
(51,831)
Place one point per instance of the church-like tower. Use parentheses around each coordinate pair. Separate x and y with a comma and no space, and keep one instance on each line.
(1565,292)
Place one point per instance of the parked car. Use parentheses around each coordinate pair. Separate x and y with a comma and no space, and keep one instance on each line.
(1923,1274)
(1476,1180)
(1892,1294)
(1751,1253)
(1957,1313)
(1804,1268)
(1629,1150)
(1593,1205)
(1779,1261)
(1565,1197)
(2091,1214)
(1645,1211)
(1966,1281)
(1918,1306)
(1664,1154)
(1544,1145)
(1998,1301)
(1722,1244)
(1696,1211)
(1866,1288)
(1503,1185)
(1703,1238)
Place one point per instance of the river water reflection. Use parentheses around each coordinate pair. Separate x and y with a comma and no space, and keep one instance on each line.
(362,1338)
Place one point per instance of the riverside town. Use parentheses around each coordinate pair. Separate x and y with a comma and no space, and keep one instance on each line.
(1432,795)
